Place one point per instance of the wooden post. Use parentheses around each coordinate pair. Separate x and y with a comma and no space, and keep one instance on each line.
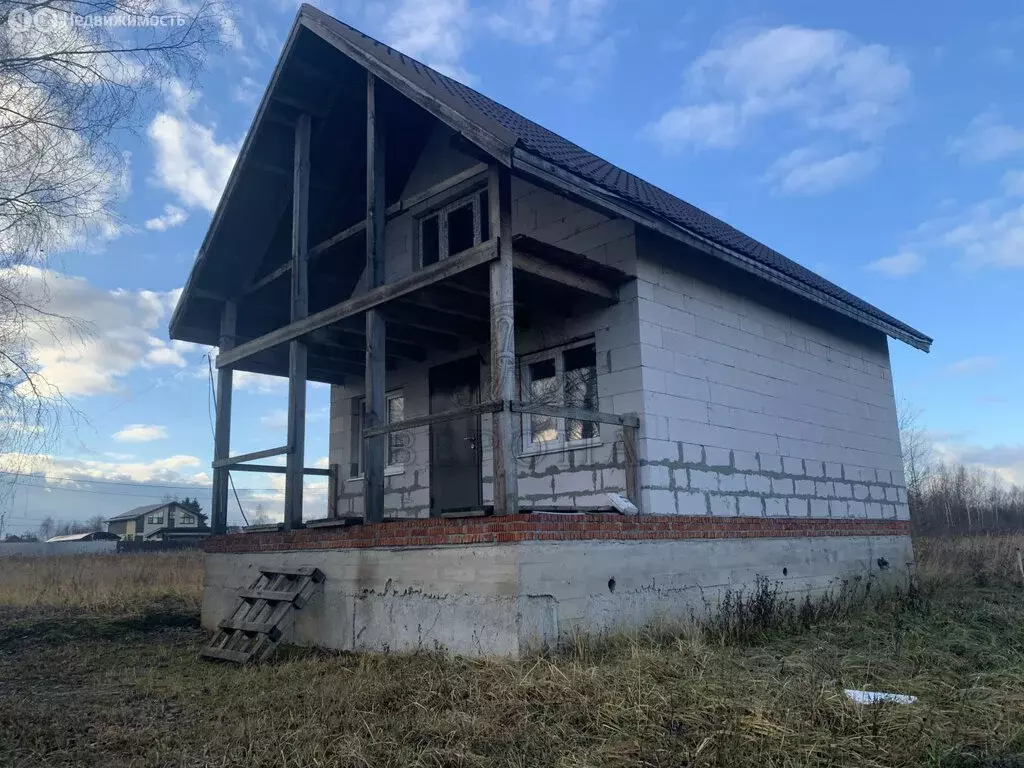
(222,430)
(503,344)
(332,490)
(293,478)
(374,448)
(632,462)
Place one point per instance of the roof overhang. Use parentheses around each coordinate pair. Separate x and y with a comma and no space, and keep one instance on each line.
(413,81)
(539,169)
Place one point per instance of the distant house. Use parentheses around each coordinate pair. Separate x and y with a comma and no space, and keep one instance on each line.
(159,522)
(89,536)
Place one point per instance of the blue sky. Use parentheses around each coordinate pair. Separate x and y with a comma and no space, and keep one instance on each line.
(878,145)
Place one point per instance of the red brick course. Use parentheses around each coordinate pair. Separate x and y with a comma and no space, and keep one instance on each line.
(511,529)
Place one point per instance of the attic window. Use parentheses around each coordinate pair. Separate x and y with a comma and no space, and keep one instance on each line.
(455,228)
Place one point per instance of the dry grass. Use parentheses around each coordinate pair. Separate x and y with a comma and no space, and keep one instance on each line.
(116,691)
(102,583)
(982,559)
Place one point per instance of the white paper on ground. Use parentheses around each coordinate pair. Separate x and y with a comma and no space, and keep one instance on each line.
(621,503)
(874,697)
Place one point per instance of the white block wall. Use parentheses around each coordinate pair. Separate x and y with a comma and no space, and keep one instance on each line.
(750,409)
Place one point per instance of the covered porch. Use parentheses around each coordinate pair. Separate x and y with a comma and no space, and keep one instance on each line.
(314,189)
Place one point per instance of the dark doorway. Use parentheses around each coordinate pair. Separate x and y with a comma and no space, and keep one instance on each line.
(455,445)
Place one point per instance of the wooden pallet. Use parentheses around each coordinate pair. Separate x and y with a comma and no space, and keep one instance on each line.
(263,614)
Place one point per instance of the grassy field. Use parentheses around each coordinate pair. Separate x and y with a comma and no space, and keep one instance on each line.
(103,670)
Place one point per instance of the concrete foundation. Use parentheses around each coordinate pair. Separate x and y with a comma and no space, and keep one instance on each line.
(510,598)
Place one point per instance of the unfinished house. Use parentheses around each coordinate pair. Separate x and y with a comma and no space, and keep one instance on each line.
(519,337)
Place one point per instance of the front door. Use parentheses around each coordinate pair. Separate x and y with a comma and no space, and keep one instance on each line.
(455,445)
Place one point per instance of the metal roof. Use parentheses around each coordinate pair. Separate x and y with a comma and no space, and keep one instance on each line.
(543,156)
(503,126)
(131,514)
(89,536)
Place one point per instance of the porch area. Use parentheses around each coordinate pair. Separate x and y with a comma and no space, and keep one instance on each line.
(472,285)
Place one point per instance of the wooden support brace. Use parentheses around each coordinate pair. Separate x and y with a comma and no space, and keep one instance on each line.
(231,461)
(297,357)
(222,429)
(503,344)
(632,461)
(374,448)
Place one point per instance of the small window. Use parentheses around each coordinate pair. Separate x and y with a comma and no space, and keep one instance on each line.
(394,411)
(157,518)
(543,390)
(562,377)
(460,229)
(430,240)
(454,228)
(186,519)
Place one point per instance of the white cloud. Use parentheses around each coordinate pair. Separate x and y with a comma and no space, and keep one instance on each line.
(898,265)
(276,419)
(190,162)
(529,22)
(140,433)
(94,337)
(988,139)
(1013,183)
(584,19)
(173,216)
(247,90)
(971,365)
(825,80)
(989,236)
(576,30)
(587,68)
(1005,460)
(433,31)
(808,171)
(172,469)
(258,383)
(715,125)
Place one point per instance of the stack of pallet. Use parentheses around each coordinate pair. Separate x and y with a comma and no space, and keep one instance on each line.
(263,614)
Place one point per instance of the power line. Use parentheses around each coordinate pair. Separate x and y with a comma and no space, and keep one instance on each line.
(120,482)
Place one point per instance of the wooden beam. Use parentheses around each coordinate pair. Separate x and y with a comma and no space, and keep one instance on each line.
(222,429)
(433,418)
(332,241)
(555,273)
(275,469)
(491,137)
(345,338)
(632,462)
(436,322)
(277,170)
(577,414)
(458,311)
(403,206)
(374,448)
(268,278)
(231,461)
(503,343)
(297,352)
(332,490)
(376,297)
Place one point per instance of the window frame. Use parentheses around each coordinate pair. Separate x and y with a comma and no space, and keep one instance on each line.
(560,443)
(151,521)
(358,411)
(187,518)
(475,198)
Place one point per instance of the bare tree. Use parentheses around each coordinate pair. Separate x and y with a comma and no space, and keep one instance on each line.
(260,516)
(917,450)
(74,75)
(46,528)
(97,523)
